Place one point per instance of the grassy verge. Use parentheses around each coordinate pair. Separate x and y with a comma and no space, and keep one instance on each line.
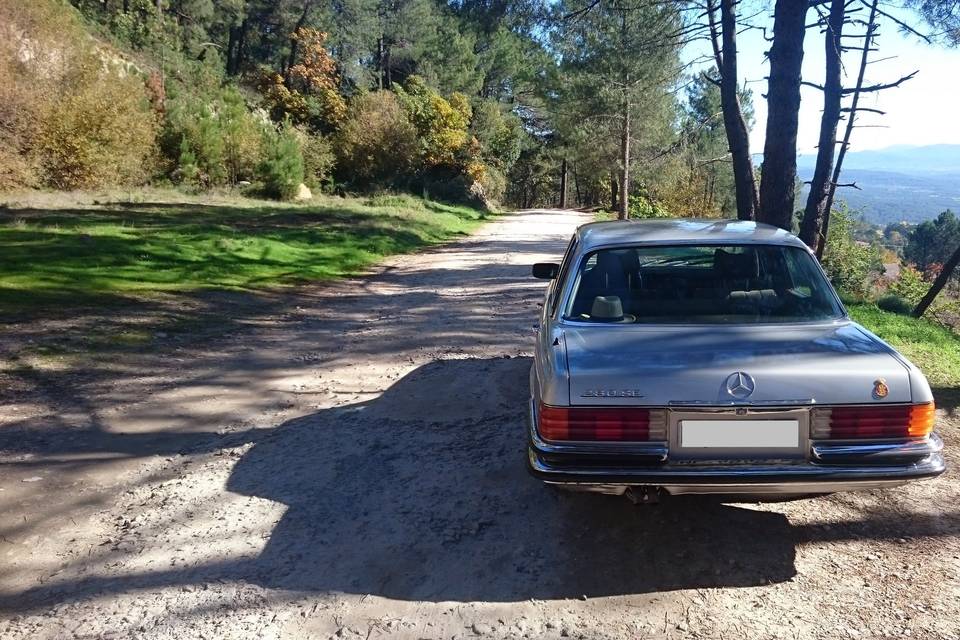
(933,348)
(60,256)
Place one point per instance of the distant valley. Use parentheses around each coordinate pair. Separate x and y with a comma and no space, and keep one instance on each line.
(912,183)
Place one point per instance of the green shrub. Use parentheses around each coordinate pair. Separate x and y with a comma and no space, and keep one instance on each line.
(499,135)
(909,285)
(396,200)
(318,160)
(645,206)
(493,183)
(281,171)
(221,134)
(895,304)
(242,135)
(852,266)
(376,146)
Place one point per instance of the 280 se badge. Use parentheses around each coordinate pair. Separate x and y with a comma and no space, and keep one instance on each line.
(611,393)
(750,377)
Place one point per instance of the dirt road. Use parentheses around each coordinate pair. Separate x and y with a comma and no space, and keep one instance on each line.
(351,465)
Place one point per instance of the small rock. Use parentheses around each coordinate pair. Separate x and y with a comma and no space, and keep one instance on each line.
(303,192)
(481,629)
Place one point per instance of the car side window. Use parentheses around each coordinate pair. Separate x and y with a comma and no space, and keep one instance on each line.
(562,274)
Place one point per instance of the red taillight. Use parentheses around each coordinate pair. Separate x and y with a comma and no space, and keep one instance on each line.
(897,421)
(620,424)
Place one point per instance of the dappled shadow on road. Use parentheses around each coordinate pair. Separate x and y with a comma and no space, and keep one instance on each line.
(422,494)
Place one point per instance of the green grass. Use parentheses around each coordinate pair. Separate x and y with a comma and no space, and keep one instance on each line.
(933,348)
(81,255)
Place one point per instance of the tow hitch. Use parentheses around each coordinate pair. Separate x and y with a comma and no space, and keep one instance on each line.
(643,494)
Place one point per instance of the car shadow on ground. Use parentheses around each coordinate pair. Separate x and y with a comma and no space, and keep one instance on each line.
(422,494)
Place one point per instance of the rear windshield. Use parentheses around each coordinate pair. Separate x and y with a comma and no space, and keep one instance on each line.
(700,284)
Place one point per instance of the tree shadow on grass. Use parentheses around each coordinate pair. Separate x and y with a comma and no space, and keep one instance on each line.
(110,254)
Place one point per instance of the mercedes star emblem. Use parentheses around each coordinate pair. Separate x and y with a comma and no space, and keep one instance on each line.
(740,385)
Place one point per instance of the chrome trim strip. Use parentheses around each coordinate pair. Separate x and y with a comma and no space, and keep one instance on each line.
(827,451)
(786,404)
(785,473)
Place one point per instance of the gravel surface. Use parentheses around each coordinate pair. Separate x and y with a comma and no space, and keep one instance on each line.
(349,463)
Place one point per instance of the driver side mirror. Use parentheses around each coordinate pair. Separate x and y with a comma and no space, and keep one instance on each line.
(546,270)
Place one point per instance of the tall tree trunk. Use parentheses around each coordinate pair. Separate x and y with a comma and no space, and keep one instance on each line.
(576,186)
(233,49)
(779,172)
(238,44)
(387,71)
(848,131)
(614,192)
(738,139)
(563,184)
(380,54)
(623,212)
(819,196)
(938,284)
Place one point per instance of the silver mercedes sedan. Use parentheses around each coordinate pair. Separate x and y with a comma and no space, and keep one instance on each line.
(705,356)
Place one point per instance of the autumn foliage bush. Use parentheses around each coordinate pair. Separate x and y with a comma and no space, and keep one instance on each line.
(309,92)
(376,145)
(74,114)
(101,133)
(441,125)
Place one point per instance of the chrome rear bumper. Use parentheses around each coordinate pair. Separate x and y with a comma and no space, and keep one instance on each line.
(830,467)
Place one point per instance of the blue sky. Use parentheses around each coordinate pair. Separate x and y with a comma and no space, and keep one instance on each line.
(922,111)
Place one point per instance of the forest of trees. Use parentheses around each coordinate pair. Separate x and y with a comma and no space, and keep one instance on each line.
(519,102)
(522,103)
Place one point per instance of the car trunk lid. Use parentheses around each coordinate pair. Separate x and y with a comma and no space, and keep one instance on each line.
(822,364)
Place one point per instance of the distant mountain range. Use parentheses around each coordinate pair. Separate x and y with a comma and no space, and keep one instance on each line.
(901,158)
(903,182)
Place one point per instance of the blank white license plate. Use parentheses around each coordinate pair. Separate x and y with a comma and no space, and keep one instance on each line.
(743,434)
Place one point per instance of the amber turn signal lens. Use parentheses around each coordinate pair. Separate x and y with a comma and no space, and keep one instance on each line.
(879,421)
(922,417)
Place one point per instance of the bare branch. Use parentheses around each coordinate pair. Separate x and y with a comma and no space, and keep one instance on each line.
(859,109)
(881,87)
(581,11)
(903,25)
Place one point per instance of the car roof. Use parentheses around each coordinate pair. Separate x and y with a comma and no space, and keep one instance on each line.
(683,231)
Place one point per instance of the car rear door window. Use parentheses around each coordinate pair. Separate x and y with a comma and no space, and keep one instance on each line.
(701,284)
